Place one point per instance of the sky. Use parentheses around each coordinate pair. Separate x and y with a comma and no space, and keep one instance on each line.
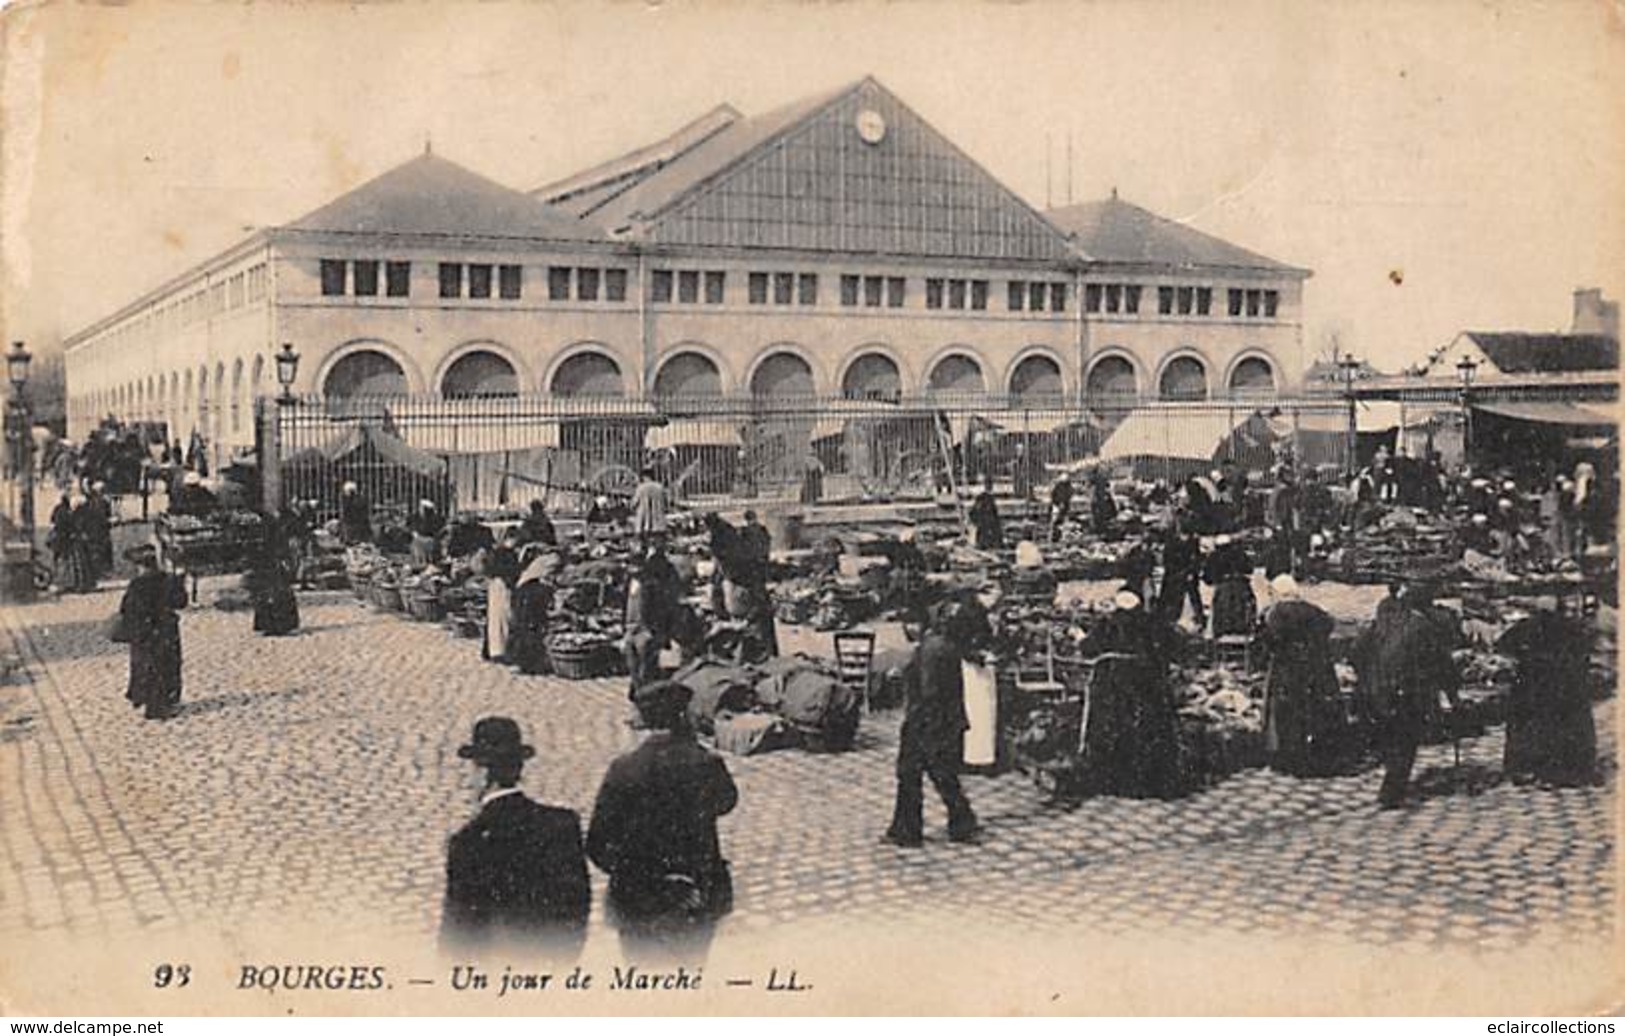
(1440,166)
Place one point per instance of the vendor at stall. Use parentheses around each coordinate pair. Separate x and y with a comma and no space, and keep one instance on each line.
(1133,731)
(1305,729)
(537,526)
(1551,736)
(193,498)
(426,526)
(532,608)
(500,566)
(984,519)
(467,535)
(1102,508)
(1230,572)
(1181,575)
(653,598)
(355,516)
(754,602)
(1060,505)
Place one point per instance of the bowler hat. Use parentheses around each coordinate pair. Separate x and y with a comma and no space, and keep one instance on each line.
(496,739)
(662,703)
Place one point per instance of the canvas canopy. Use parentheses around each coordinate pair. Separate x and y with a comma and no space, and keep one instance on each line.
(351,442)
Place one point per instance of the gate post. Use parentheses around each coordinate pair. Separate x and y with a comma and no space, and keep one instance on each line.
(268,437)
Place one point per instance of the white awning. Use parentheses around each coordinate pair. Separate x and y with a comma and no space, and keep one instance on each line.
(1188,433)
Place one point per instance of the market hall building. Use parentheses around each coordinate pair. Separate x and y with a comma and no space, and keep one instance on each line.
(839,246)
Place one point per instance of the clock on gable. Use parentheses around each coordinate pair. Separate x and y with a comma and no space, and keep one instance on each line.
(871,126)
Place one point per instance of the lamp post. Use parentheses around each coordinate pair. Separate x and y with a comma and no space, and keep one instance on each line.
(1350,367)
(287,370)
(1466,367)
(17,373)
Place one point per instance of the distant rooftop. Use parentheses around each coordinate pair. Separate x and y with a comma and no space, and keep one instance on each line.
(1115,231)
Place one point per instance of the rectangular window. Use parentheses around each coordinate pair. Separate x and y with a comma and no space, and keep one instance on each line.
(1252,302)
(784,288)
(1017,299)
(715,287)
(849,289)
(688,286)
(1204,301)
(874,291)
(660,286)
(896,292)
(479,280)
(587,278)
(1131,298)
(615,285)
(1035,296)
(807,289)
(1057,297)
(978,294)
(956,294)
(1235,302)
(332,276)
(451,280)
(510,280)
(366,276)
(1091,297)
(933,293)
(756,289)
(558,283)
(397,279)
(1114,298)
(1185,301)
(1165,299)
(1272,301)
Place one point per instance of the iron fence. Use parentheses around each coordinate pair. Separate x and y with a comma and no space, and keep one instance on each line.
(502,452)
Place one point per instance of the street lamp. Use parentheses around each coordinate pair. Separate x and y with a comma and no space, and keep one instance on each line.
(1350,367)
(1466,367)
(17,373)
(287,369)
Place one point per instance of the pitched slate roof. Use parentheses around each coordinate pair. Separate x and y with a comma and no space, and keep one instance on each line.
(587,190)
(430,195)
(1519,352)
(656,188)
(1118,232)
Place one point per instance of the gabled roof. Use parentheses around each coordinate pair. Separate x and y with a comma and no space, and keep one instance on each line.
(1114,231)
(587,190)
(430,195)
(689,168)
(1519,352)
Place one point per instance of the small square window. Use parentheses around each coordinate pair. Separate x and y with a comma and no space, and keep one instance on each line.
(1091,297)
(1252,302)
(397,279)
(1035,296)
(956,294)
(933,293)
(1204,301)
(784,288)
(1017,298)
(874,291)
(849,289)
(807,289)
(1235,302)
(660,286)
(896,292)
(1185,301)
(451,280)
(1165,300)
(332,276)
(1057,297)
(510,280)
(1131,298)
(615,285)
(978,294)
(366,276)
(756,289)
(558,283)
(587,284)
(1272,301)
(479,280)
(715,287)
(1114,298)
(688,286)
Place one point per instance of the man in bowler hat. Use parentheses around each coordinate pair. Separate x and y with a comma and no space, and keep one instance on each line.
(654,832)
(515,874)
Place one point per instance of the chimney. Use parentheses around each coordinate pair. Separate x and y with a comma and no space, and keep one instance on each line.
(1595,315)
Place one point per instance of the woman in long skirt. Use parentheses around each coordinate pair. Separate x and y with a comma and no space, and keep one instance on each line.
(532,603)
(276,607)
(71,547)
(153,628)
(1304,729)
(1230,573)
(1551,736)
(501,573)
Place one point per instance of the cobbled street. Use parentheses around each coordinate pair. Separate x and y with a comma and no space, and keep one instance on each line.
(317,774)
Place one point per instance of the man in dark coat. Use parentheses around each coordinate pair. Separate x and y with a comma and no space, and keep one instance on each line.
(355,516)
(1551,736)
(467,536)
(153,631)
(984,518)
(538,527)
(1181,577)
(515,874)
(98,528)
(1404,662)
(1060,504)
(1102,508)
(654,832)
(933,734)
(754,604)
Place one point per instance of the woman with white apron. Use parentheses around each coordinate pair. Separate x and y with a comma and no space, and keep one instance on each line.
(501,571)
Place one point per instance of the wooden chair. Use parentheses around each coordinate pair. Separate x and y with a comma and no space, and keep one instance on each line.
(854,661)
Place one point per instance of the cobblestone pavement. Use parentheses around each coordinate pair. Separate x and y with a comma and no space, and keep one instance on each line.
(319,773)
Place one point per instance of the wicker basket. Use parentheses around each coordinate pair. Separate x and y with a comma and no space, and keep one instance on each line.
(361,585)
(424,607)
(387,596)
(579,662)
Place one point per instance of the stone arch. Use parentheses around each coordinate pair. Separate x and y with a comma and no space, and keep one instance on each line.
(488,346)
(410,375)
(237,394)
(256,376)
(689,372)
(587,370)
(1113,375)
(363,370)
(1037,374)
(782,373)
(1251,373)
(872,373)
(956,372)
(479,374)
(1183,376)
